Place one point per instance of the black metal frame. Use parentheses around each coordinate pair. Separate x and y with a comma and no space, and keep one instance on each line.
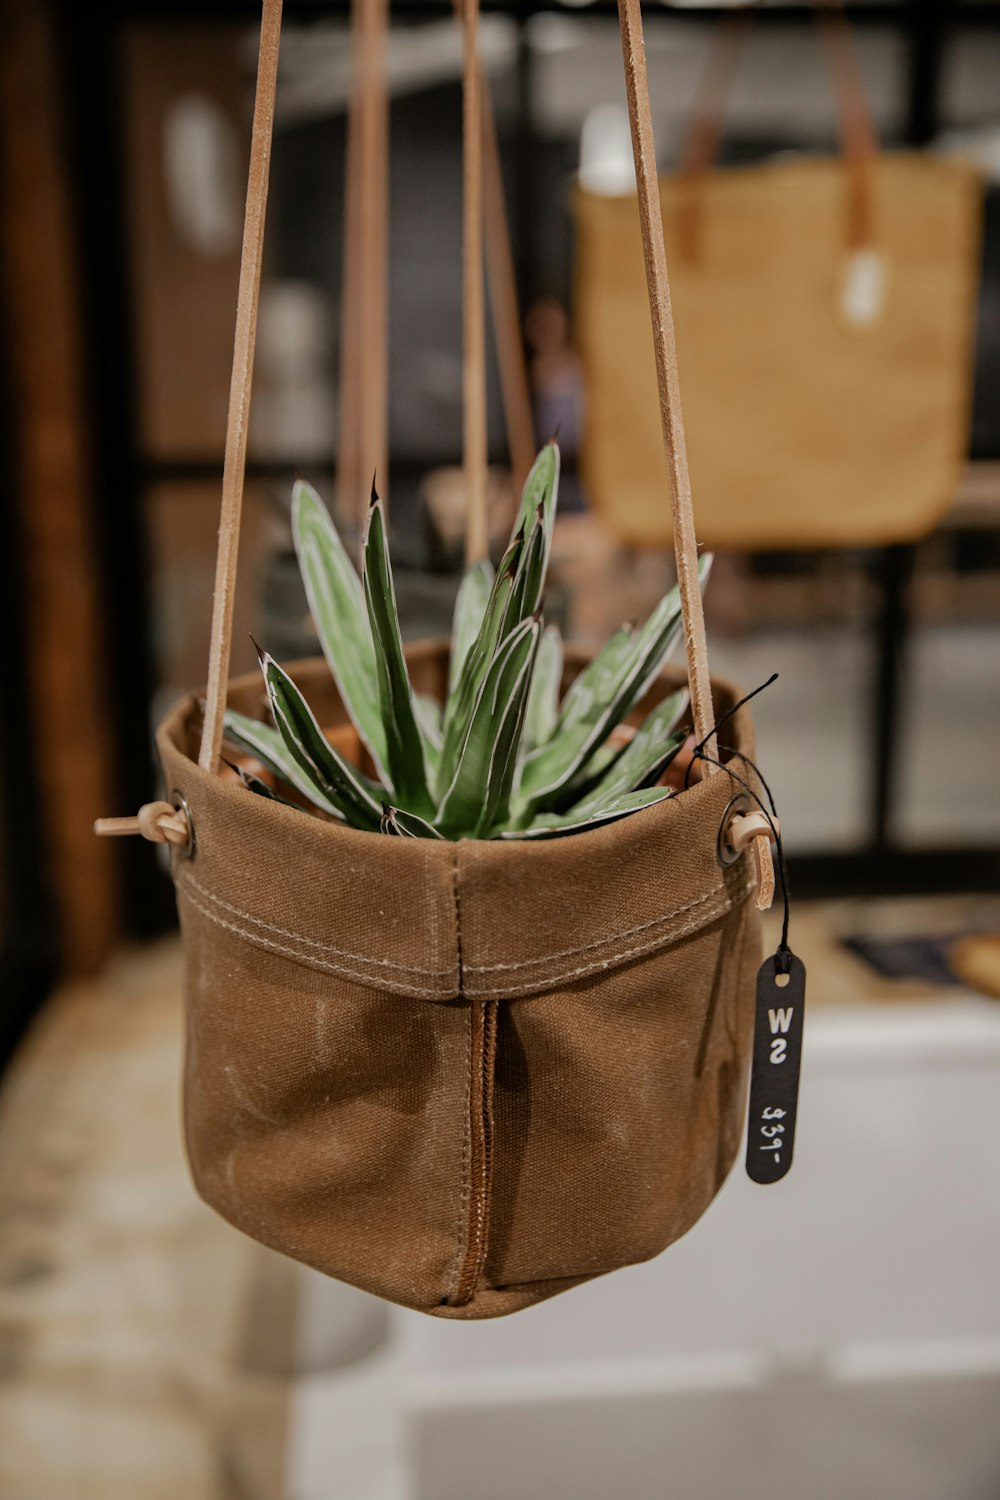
(91,33)
(916,15)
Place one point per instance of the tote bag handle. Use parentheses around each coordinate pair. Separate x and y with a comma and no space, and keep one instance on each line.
(856,129)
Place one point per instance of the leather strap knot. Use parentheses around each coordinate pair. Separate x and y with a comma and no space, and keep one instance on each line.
(159,822)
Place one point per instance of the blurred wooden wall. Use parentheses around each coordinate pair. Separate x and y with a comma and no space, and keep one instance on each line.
(39,270)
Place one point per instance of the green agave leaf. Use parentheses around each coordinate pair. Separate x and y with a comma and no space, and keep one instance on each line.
(470,607)
(529,580)
(428,714)
(536,566)
(336,600)
(534,523)
(644,758)
(605,760)
(260,788)
(548,825)
(405,764)
(402,824)
(267,746)
(484,766)
(514,598)
(461,702)
(542,711)
(593,684)
(539,496)
(580,784)
(549,770)
(349,795)
(503,767)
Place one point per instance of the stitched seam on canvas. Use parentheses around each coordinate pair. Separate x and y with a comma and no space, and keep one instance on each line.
(359,958)
(308,960)
(455,1269)
(614,937)
(550,981)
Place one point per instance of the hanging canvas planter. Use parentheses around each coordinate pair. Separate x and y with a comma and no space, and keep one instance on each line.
(464,1074)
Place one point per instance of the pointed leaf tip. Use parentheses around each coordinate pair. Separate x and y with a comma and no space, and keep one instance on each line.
(373,501)
(261,653)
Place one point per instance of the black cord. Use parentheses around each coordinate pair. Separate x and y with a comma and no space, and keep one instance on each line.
(783,954)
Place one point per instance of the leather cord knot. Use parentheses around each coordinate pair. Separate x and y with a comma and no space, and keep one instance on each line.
(159,822)
(754,829)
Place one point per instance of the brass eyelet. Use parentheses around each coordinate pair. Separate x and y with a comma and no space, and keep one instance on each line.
(737,805)
(180,804)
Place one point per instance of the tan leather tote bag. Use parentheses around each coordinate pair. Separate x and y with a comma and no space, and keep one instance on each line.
(824,314)
(463,1076)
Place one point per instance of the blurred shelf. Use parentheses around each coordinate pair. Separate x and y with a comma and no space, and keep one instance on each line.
(919,13)
(977,504)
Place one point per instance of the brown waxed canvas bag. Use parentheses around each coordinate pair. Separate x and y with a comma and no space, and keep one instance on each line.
(463,1076)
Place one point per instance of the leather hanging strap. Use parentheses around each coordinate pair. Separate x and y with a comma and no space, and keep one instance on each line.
(501,283)
(363,441)
(858,137)
(664,348)
(234,468)
(371,30)
(348,481)
(473,322)
(515,389)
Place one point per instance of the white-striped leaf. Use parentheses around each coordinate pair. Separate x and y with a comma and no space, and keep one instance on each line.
(429,722)
(336,601)
(644,759)
(266,745)
(461,701)
(252,783)
(395,820)
(470,607)
(549,770)
(404,747)
(351,795)
(481,763)
(592,685)
(503,766)
(549,825)
(539,498)
(543,699)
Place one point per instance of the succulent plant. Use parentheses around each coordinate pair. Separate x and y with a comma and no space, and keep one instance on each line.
(503,757)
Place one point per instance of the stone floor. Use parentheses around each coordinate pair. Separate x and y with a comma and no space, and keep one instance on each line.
(147,1350)
(126,1358)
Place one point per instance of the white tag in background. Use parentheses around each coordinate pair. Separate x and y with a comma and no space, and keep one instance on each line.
(862,288)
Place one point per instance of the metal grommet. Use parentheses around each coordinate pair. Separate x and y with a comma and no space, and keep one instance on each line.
(179,801)
(726,853)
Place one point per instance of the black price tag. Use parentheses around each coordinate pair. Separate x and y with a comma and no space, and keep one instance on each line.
(774,1076)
